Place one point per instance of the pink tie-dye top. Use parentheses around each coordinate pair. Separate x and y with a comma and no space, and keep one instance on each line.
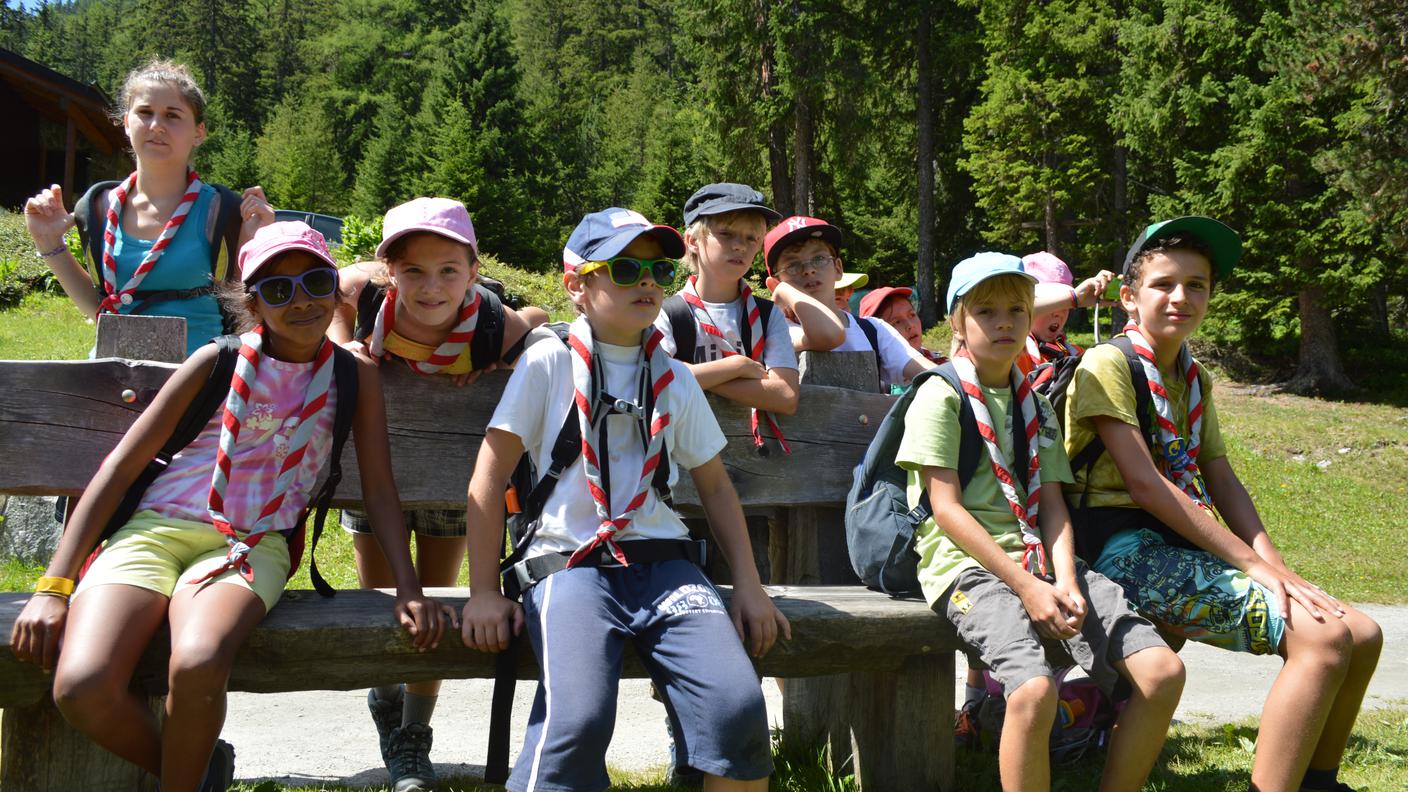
(182,490)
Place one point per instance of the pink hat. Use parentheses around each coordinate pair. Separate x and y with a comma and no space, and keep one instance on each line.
(875,299)
(1046,268)
(442,216)
(276,238)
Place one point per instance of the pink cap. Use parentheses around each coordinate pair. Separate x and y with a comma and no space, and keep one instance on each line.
(875,299)
(276,238)
(443,216)
(1046,268)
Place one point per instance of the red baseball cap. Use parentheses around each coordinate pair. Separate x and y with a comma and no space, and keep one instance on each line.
(874,299)
(794,229)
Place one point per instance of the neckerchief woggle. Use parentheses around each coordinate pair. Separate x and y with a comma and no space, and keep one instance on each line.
(1034,552)
(591,403)
(1178,458)
(117,201)
(449,350)
(753,316)
(236,407)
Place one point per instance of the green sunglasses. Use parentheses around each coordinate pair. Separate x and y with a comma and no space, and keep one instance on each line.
(629,271)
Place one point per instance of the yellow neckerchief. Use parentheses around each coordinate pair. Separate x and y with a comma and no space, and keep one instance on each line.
(403,347)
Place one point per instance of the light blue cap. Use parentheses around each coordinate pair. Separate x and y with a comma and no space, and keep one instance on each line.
(979,267)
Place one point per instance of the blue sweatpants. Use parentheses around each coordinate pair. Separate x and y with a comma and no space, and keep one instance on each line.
(579,621)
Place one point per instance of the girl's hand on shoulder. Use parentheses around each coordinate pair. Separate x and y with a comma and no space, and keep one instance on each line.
(255,211)
(490,621)
(35,636)
(360,350)
(46,219)
(425,619)
(757,620)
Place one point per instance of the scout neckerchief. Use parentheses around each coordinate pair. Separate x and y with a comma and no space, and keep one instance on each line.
(593,405)
(1046,351)
(449,350)
(117,200)
(1178,458)
(236,405)
(748,313)
(1034,555)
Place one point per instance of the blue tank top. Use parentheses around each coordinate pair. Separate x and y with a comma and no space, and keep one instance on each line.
(184,265)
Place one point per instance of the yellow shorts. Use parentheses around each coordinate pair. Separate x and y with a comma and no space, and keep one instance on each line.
(162,553)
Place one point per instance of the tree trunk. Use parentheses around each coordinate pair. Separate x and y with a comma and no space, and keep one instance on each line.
(781,177)
(1320,370)
(924,105)
(1121,187)
(802,157)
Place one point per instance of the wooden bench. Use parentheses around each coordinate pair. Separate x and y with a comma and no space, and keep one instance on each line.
(871,676)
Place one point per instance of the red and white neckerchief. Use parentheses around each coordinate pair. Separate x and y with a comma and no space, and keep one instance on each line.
(1179,457)
(236,405)
(588,381)
(1034,555)
(449,350)
(690,294)
(117,200)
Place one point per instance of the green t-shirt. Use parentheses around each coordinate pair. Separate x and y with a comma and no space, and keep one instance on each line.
(1102,386)
(931,438)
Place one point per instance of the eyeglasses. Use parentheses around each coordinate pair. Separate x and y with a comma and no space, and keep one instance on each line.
(628,271)
(277,290)
(818,263)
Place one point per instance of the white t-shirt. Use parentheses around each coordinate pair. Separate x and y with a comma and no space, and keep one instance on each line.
(534,406)
(895,352)
(777,347)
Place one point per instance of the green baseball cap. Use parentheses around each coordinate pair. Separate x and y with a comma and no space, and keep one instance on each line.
(1223,243)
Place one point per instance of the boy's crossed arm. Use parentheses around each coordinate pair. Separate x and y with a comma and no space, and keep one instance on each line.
(757,620)
(1053,610)
(772,390)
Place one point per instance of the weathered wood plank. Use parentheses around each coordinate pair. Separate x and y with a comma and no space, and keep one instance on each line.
(157,338)
(41,752)
(58,419)
(351,641)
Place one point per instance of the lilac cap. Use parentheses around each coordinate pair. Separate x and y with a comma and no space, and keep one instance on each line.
(443,216)
(276,238)
(602,235)
(1047,268)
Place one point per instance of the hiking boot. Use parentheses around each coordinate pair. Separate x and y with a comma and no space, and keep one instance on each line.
(387,717)
(220,772)
(408,758)
(965,727)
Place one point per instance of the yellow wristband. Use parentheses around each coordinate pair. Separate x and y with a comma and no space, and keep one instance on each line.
(60,586)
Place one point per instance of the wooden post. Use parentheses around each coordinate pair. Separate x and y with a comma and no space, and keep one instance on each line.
(160,338)
(901,725)
(39,750)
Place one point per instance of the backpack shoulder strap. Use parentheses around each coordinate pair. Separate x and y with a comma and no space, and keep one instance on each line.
(682,327)
(970,443)
(368,303)
(1143,402)
(872,336)
(202,408)
(89,215)
(346,379)
(486,347)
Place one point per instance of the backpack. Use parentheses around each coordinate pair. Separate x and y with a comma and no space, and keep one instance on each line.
(872,335)
(1084,717)
(686,333)
(526,496)
(90,215)
(203,407)
(880,525)
(484,347)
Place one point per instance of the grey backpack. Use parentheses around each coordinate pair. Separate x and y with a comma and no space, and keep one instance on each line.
(880,526)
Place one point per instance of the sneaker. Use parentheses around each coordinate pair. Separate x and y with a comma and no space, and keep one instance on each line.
(387,717)
(965,727)
(220,772)
(408,758)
